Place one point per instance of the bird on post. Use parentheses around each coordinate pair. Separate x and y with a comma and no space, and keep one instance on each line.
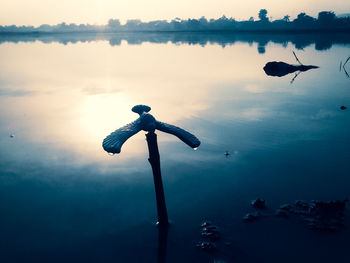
(114,142)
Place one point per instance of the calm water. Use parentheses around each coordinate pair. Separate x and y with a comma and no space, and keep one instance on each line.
(63,199)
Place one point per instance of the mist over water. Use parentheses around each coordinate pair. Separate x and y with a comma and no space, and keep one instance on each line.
(63,199)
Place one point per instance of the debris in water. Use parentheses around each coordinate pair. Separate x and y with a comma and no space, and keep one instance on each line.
(210,233)
(250,217)
(343,107)
(206,245)
(317,215)
(326,216)
(227,154)
(259,203)
(280,69)
(228,244)
(281,213)
(205,224)
(12,135)
(286,207)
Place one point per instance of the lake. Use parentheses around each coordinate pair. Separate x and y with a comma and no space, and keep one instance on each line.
(64,199)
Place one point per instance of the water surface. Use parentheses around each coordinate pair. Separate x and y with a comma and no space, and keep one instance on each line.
(63,199)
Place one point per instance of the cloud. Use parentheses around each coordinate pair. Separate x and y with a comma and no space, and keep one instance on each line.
(14,93)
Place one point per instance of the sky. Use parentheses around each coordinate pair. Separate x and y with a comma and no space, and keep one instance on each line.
(37,12)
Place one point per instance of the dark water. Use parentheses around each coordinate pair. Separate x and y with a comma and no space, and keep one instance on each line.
(63,199)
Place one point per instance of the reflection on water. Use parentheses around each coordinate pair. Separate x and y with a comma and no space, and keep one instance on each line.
(280,69)
(322,41)
(63,197)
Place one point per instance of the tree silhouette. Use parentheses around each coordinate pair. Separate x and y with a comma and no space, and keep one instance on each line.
(286,18)
(326,21)
(304,21)
(326,17)
(114,23)
(263,15)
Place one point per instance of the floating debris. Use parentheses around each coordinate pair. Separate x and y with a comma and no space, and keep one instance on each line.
(12,135)
(259,203)
(343,107)
(210,233)
(281,213)
(286,207)
(250,217)
(205,224)
(280,69)
(206,245)
(317,215)
(326,216)
(300,207)
(227,154)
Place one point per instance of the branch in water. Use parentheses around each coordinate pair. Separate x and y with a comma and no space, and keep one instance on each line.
(296,75)
(346,61)
(297,58)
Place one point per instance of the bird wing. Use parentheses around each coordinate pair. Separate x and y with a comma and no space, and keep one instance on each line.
(183,135)
(113,142)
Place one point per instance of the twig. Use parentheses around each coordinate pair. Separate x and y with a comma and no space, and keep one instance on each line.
(296,75)
(298,59)
(340,66)
(346,73)
(346,61)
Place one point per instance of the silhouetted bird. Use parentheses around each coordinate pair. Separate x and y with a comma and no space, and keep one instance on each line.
(146,122)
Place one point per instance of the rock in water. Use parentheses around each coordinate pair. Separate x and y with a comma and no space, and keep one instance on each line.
(250,217)
(259,203)
(321,215)
(281,213)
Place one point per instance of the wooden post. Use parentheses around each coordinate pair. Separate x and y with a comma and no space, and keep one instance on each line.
(162,244)
(158,184)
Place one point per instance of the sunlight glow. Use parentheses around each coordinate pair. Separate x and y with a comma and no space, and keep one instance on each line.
(102,114)
(22,12)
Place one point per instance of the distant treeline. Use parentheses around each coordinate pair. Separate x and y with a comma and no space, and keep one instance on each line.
(300,40)
(326,21)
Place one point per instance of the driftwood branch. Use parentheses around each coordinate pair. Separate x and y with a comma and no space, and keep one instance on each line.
(346,73)
(346,61)
(296,75)
(297,58)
